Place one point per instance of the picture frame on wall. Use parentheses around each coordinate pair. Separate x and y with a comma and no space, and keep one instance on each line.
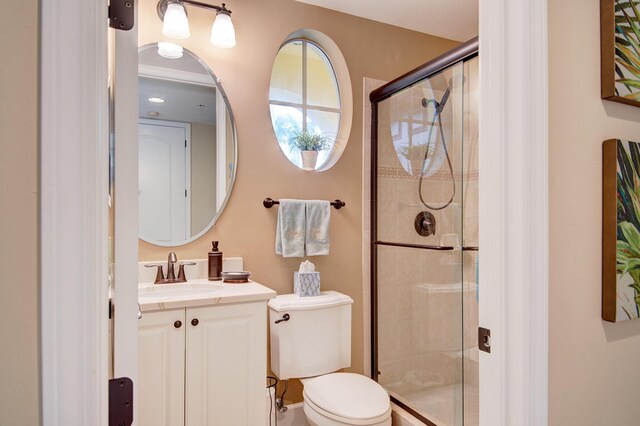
(620,230)
(620,51)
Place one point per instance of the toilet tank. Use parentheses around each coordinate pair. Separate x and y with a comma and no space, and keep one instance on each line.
(316,337)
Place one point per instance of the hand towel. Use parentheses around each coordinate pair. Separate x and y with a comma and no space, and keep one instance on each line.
(318,216)
(290,229)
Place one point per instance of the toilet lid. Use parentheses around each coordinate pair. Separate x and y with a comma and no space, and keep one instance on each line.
(347,395)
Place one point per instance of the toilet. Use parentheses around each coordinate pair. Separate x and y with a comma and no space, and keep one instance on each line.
(311,340)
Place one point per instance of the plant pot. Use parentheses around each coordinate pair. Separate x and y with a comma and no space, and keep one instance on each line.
(309,159)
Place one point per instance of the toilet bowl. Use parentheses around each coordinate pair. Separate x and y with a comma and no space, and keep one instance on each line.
(311,340)
(340,399)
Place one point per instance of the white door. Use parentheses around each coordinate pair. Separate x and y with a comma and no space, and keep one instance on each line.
(164,215)
(226,365)
(161,347)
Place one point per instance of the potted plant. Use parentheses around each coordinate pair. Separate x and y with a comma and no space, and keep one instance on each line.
(309,144)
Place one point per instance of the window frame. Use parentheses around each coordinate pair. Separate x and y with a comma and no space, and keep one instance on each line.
(342,80)
(305,106)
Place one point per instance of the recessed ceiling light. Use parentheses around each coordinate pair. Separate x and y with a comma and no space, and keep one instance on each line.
(156,100)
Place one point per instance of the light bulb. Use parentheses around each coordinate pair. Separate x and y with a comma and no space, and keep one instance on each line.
(222,32)
(175,23)
(169,50)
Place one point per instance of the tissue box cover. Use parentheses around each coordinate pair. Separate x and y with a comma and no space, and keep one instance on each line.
(306,284)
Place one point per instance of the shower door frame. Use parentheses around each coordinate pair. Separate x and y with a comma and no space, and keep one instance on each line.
(461,53)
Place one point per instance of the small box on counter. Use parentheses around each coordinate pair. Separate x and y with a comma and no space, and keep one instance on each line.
(306,284)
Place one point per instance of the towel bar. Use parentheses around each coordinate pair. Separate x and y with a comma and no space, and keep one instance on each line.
(269,202)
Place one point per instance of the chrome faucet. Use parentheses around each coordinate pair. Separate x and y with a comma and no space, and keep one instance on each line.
(171,273)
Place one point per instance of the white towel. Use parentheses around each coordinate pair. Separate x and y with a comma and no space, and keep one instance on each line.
(290,230)
(317,227)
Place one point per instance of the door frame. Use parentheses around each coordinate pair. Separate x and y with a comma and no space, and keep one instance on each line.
(513,211)
(73,200)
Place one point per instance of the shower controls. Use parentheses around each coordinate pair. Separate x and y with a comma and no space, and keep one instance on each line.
(425,224)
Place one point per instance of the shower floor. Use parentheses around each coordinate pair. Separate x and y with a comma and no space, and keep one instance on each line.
(439,406)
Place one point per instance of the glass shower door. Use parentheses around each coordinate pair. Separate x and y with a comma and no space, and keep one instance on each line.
(419,221)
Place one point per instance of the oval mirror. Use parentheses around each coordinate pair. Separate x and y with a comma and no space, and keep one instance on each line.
(187,146)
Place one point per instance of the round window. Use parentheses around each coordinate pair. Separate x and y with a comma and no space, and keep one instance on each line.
(307,111)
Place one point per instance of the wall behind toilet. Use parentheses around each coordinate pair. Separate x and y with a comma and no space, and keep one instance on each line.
(246,228)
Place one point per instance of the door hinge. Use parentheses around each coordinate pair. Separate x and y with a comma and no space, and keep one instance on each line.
(121,14)
(185,143)
(185,192)
(484,339)
(120,401)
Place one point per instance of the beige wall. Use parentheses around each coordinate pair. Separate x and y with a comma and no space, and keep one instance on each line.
(246,228)
(203,176)
(19,369)
(593,365)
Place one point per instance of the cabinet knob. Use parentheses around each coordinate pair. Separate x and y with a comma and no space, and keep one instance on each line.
(195,322)
(177,324)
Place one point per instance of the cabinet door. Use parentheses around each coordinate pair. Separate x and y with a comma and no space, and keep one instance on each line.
(161,346)
(226,365)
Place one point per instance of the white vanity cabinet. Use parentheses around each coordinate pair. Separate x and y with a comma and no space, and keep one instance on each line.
(203,366)
(161,355)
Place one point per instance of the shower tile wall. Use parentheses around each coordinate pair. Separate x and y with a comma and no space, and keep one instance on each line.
(427,299)
(419,324)
(419,317)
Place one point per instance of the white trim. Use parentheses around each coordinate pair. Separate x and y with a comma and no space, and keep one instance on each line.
(125,287)
(513,211)
(73,212)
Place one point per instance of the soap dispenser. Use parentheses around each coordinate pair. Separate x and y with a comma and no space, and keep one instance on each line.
(215,262)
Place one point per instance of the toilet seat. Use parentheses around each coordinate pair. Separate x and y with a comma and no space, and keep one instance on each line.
(347,398)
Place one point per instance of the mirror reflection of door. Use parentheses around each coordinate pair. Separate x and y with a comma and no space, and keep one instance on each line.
(164,180)
(182,190)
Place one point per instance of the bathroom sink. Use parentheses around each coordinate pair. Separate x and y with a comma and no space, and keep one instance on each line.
(199,292)
(180,290)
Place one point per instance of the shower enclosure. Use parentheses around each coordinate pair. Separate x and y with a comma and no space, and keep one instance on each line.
(424,238)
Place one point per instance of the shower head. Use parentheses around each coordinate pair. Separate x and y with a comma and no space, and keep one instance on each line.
(439,106)
(454,82)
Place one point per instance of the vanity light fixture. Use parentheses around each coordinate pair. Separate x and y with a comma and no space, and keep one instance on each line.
(174,19)
(156,100)
(176,25)
(169,50)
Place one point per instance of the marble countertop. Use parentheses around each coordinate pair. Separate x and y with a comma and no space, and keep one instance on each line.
(199,292)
